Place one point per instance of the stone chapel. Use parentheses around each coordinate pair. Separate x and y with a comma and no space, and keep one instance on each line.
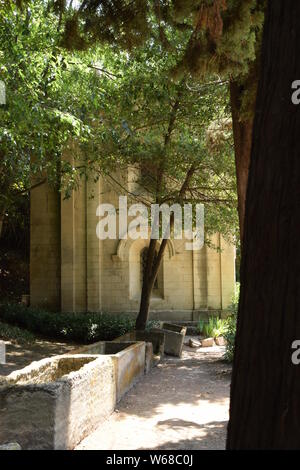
(72,270)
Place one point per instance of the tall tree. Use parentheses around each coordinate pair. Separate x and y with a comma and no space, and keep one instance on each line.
(177,137)
(223,37)
(265,390)
(242,99)
(51,98)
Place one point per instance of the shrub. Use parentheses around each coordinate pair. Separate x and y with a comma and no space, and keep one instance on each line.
(78,327)
(229,335)
(230,331)
(213,328)
(200,326)
(15,334)
(235,299)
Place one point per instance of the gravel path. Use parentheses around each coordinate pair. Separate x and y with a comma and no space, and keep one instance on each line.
(182,404)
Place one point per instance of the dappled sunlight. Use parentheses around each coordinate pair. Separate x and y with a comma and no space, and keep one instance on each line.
(21,355)
(181,404)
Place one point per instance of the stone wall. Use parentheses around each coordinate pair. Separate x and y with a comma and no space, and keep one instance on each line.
(45,258)
(83,273)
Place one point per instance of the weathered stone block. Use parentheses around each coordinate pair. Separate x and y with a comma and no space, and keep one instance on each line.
(56,402)
(128,358)
(153,335)
(148,357)
(174,338)
(194,343)
(220,341)
(207,342)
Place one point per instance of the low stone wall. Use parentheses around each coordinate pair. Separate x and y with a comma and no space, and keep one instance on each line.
(56,402)
(128,358)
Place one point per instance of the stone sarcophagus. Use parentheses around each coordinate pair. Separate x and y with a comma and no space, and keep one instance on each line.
(56,402)
(128,358)
(174,338)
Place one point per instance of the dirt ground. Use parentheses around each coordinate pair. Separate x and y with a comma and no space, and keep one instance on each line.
(182,404)
(21,355)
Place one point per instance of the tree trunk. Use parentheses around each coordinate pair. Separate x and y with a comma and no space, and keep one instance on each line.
(242,135)
(153,263)
(142,317)
(1,223)
(265,390)
(152,268)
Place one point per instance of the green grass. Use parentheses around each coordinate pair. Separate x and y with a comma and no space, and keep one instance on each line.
(214,328)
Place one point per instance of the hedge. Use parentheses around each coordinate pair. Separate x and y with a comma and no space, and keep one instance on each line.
(78,327)
(15,334)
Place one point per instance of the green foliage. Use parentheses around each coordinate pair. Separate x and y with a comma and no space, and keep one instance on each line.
(15,334)
(212,328)
(116,108)
(219,328)
(78,327)
(217,36)
(229,335)
(235,299)
(230,328)
(161,128)
(200,326)
(52,96)
(216,327)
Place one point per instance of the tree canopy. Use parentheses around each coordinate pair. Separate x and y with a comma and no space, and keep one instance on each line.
(116,105)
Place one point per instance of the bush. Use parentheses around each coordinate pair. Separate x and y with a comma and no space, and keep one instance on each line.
(235,300)
(229,335)
(230,331)
(214,328)
(78,327)
(15,334)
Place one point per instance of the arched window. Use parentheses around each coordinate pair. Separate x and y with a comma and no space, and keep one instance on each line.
(143,255)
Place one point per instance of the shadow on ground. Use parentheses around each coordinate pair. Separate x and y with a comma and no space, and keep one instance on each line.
(182,404)
(21,355)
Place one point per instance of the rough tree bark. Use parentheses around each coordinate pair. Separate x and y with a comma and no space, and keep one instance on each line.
(242,90)
(242,134)
(265,390)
